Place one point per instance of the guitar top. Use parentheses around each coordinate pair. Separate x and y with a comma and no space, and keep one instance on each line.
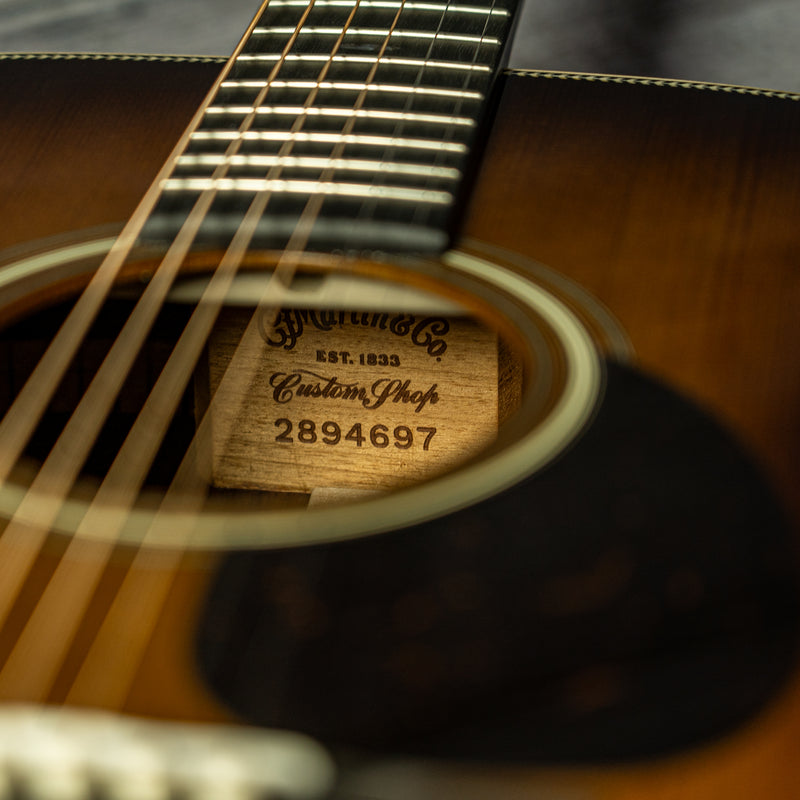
(635,598)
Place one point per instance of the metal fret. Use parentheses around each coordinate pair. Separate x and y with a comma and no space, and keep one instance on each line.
(395,34)
(365,191)
(404,62)
(331,138)
(373,110)
(319,164)
(361,113)
(347,86)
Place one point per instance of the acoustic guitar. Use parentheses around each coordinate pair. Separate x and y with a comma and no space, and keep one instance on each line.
(579,582)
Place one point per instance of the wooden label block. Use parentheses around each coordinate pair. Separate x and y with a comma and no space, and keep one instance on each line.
(370,400)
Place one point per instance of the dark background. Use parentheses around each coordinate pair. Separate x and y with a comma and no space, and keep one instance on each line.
(748,42)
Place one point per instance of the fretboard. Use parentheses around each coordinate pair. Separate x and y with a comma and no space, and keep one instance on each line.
(356,120)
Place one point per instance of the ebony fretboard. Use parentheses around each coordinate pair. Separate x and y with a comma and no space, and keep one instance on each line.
(378,128)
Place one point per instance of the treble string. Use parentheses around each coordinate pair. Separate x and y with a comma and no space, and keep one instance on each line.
(28,528)
(437,160)
(51,621)
(368,206)
(109,668)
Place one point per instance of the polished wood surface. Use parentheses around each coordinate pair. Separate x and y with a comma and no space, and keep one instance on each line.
(676,207)
(79,169)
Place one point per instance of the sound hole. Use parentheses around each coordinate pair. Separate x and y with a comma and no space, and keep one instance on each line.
(23,344)
(395,378)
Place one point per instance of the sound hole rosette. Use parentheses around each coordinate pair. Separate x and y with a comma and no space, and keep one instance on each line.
(541,323)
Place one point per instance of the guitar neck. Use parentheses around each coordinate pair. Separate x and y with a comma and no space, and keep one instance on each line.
(357,120)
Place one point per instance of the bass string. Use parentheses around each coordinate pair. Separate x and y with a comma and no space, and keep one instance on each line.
(49,622)
(27,530)
(19,422)
(144,590)
(114,489)
(21,541)
(31,522)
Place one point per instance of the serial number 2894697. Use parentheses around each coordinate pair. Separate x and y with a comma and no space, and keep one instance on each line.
(330,433)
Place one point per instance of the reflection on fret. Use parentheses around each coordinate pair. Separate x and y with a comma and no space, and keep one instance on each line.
(397,62)
(347,86)
(370,107)
(365,191)
(394,34)
(330,138)
(361,113)
(319,164)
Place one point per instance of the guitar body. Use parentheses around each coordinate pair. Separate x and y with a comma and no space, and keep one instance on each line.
(676,207)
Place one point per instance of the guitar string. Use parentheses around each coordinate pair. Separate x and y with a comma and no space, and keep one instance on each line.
(124,457)
(54,623)
(27,409)
(21,541)
(368,206)
(27,530)
(186,493)
(131,598)
(255,216)
(468,77)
